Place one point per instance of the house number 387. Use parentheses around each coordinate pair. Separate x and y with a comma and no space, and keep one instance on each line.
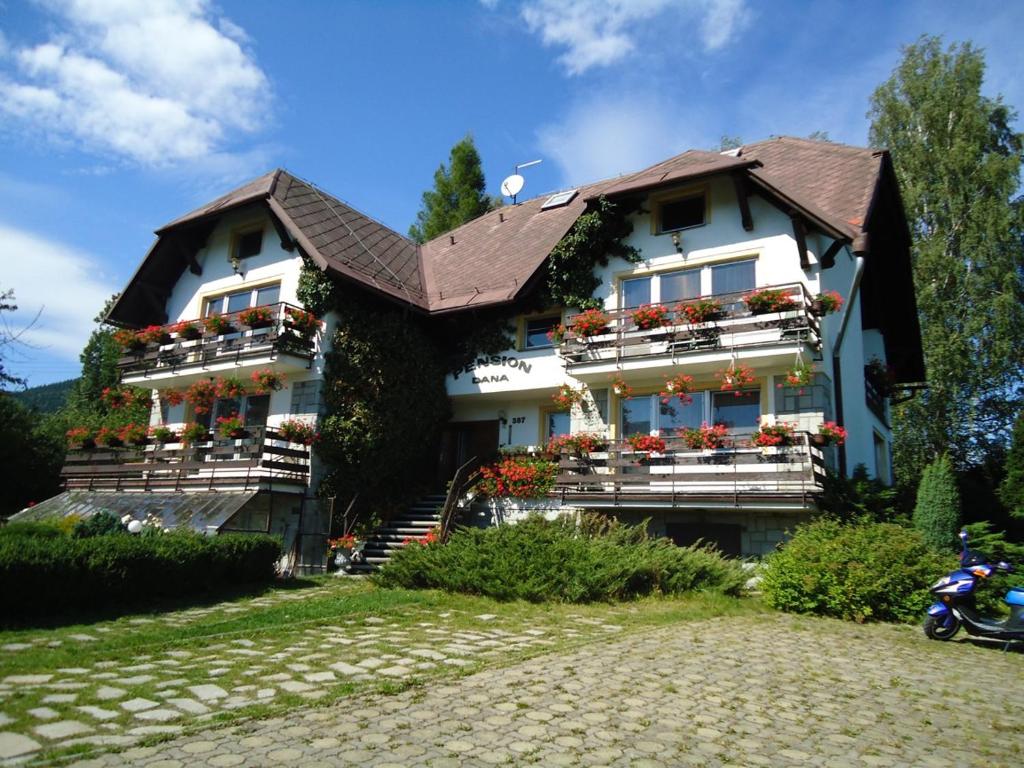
(518,419)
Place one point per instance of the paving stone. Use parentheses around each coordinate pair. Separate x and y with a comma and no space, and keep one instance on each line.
(191,706)
(294,686)
(60,698)
(44,713)
(5,719)
(62,729)
(139,704)
(487,617)
(98,712)
(27,679)
(150,730)
(371,663)
(134,680)
(208,692)
(106,693)
(16,646)
(346,669)
(158,715)
(15,745)
(395,671)
(427,653)
(321,677)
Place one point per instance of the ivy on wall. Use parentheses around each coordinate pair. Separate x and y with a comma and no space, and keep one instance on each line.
(596,236)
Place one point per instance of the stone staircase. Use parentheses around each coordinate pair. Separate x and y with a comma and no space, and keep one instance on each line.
(413,523)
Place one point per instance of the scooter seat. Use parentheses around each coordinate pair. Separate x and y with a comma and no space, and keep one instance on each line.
(1015,596)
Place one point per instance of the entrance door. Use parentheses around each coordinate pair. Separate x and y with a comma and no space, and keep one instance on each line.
(461,441)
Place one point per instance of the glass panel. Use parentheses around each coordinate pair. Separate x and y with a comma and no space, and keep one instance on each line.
(239,301)
(636,416)
(676,286)
(537,332)
(269,295)
(227,407)
(730,278)
(680,214)
(600,403)
(256,409)
(214,306)
(674,415)
(305,397)
(557,423)
(636,292)
(737,410)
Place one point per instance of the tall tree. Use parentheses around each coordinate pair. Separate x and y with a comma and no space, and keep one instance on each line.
(8,337)
(99,364)
(1012,489)
(459,194)
(958,162)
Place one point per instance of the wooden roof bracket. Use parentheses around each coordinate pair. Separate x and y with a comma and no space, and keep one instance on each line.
(800,235)
(743,200)
(188,255)
(287,241)
(828,258)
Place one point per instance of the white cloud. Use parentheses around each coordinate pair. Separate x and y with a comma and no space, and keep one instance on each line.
(599,139)
(68,286)
(157,82)
(598,33)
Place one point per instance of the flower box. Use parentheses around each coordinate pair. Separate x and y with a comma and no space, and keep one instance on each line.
(155,334)
(217,325)
(303,322)
(700,311)
(651,316)
(826,303)
(188,330)
(256,317)
(769,300)
(592,322)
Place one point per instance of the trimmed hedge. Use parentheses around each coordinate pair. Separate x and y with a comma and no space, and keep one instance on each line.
(41,574)
(540,560)
(857,571)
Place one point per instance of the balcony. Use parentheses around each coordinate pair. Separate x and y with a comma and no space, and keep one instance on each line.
(765,339)
(279,341)
(261,460)
(783,477)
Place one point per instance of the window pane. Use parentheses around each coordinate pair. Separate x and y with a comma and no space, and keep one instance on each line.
(256,409)
(636,292)
(636,416)
(239,301)
(268,295)
(674,415)
(305,397)
(600,403)
(676,286)
(226,407)
(537,332)
(730,278)
(680,214)
(557,424)
(250,244)
(737,410)
(214,306)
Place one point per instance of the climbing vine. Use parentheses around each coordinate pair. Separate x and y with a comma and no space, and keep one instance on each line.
(315,289)
(596,236)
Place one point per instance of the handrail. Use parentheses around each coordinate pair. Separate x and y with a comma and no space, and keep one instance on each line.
(464,477)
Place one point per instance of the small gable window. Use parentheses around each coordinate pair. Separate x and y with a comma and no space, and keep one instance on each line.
(680,213)
(249,243)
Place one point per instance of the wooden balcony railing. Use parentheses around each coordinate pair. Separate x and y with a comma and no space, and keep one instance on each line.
(875,392)
(737,473)
(735,327)
(261,459)
(240,343)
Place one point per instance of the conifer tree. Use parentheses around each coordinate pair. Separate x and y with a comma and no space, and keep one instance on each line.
(459,194)
(1011,491)
(958,162)
(937,512)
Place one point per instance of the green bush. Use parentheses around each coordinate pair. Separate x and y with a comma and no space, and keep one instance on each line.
(540,560)
(100,524)
(43,574)
(857,571)
(33,529)
(937,512)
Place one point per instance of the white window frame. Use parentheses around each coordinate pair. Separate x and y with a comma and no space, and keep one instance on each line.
(706,271)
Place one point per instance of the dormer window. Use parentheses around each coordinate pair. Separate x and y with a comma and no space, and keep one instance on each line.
(671,214)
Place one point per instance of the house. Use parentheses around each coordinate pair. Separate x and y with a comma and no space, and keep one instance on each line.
(789,219)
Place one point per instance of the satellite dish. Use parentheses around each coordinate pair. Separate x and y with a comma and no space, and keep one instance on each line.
(513,185)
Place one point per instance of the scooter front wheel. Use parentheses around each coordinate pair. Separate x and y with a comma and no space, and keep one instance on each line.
(937,628)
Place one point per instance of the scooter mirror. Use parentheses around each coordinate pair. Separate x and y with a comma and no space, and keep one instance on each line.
(963,536)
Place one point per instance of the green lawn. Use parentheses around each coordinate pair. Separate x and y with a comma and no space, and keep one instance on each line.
(287,644)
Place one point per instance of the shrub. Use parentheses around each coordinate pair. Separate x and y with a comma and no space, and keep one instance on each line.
(43,574)
(857,571)
(540,560)
(100,524)
(937,512)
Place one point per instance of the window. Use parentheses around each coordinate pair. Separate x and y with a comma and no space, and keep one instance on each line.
(236,301)
(881,459)
(559,199)
(646,414)
(556,423)
(249,243)
(733,277)
(257,408)
(737,410)
(253,408)
(680,213)
(305,397)
(536,330)
(661,288)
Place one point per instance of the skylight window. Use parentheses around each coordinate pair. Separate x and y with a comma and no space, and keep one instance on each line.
(559,199)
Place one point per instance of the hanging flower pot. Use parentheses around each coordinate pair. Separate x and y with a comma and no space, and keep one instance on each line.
(830,433)
(201,395)
(229,387)
(302,322)
(171,396)
(621,388)
(826,303)
(266,381)
(734,378)
(800,375)
(567,397)
(678,386)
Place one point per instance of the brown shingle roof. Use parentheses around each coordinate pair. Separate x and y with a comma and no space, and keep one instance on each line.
(836,180)
(692,164)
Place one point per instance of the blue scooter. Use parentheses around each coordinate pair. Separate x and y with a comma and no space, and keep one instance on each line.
(957,603)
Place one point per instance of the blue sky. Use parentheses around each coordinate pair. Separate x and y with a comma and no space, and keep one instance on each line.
(118,115)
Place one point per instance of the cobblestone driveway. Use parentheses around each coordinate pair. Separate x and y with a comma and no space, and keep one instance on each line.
(774,690)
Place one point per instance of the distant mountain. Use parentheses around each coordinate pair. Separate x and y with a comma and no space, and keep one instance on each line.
(46,398)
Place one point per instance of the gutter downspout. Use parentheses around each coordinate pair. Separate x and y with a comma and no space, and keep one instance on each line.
(860,248)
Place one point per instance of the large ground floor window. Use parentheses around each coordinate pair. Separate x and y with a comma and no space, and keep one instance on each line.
(649,414)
